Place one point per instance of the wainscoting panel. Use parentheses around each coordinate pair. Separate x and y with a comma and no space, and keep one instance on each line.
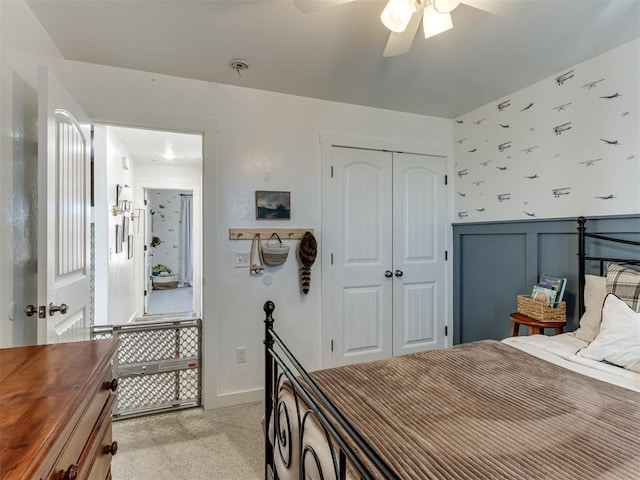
(495,272)
(496,261)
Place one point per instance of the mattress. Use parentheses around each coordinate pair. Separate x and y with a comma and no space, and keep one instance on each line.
(511,409)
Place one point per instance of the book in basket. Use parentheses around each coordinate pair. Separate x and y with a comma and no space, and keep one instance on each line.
(544,294)
(554,283)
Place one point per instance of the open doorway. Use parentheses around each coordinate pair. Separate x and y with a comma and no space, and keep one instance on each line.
(169,253)
(151,188)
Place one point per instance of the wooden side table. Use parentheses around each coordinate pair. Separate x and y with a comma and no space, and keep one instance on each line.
(535,326)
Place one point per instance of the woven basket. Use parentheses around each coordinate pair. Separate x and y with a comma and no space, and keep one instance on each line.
(275,254)
(541,311)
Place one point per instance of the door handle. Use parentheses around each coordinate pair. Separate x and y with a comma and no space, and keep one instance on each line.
(63,309)
(388,274)
(398,273)
(30,310)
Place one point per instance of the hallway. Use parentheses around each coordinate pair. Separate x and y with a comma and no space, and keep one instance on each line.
(176,300)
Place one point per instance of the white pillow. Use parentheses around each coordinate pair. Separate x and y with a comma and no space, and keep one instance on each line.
(595,291)
(618,342)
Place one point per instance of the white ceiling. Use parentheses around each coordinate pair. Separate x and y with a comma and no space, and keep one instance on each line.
(336,53)
(152,146)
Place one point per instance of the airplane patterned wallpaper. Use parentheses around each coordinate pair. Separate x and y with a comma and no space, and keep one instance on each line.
(566,146)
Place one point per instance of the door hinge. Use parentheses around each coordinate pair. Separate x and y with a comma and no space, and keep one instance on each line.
(446,255)
(446,331)
(145,293)
(332,259)
(446,179)
(146,202)
(332,345)
(145,248)
(331,171)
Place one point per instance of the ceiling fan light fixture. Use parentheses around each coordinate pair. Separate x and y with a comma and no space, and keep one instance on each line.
(445,6)
(435,23)
(397,14)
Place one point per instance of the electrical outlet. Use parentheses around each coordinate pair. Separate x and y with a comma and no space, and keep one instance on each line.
(241,355)
(242,260)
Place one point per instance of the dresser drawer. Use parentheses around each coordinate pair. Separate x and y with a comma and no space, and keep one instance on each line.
(95,461)
(100,403)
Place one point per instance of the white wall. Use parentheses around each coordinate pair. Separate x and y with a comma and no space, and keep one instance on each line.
(266,141)
(539,160)
(24,46)
(122,304)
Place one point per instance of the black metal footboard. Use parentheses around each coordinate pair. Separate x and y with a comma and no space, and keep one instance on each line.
(304,413)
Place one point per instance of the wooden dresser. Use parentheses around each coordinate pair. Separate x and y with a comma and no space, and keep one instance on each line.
(55,411)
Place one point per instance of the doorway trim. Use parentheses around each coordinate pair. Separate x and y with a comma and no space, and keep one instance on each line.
(329,140)
(208,128)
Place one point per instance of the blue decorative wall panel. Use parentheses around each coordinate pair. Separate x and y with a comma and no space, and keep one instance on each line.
(496,261)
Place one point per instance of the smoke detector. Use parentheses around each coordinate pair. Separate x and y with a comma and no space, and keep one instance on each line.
(238,65)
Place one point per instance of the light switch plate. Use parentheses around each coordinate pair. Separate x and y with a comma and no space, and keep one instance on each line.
(242,260)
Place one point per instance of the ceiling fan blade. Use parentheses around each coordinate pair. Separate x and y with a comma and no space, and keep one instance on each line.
(308,6)
(400,43)
(503,8)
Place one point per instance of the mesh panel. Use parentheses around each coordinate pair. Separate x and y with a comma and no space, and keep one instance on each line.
(157,389)
(155,345)
(101,335)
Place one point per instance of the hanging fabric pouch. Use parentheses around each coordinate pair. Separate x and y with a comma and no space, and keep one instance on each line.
(275,252)
(256,263)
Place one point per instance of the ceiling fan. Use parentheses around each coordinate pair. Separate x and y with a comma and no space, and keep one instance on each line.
(403,17)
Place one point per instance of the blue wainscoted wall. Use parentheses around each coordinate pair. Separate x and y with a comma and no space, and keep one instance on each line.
(496,261)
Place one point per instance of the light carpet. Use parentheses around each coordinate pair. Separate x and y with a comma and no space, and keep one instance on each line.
(194,444)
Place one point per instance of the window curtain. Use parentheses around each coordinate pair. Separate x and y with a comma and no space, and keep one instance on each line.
(185,276)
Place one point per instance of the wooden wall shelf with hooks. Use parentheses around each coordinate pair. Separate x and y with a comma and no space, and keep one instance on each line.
(265,233)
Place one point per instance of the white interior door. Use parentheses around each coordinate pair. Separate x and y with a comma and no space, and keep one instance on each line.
(63,214)
(361,233)
(419,222)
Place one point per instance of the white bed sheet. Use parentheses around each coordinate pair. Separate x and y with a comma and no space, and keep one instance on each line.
(561,350)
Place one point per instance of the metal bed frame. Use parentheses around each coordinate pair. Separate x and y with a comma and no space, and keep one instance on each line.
(583,258)
(280,364)
(313,405)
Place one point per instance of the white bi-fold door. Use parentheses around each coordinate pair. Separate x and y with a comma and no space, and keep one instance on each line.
(386,240)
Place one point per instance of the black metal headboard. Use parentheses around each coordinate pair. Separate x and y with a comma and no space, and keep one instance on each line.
(583,257)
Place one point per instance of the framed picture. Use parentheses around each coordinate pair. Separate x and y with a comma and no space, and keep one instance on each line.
(119,238)
(130,246)
(273,205)
(125,226)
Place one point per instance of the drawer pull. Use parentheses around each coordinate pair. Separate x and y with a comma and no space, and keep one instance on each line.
(110,449)
(71,473)
(112,385)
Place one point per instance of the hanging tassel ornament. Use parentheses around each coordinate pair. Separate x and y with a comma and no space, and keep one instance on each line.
(307,251)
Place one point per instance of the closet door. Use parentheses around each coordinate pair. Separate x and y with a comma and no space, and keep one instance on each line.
(419,219)
(360,234)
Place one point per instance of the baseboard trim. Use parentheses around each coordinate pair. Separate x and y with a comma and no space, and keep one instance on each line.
(235,398)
